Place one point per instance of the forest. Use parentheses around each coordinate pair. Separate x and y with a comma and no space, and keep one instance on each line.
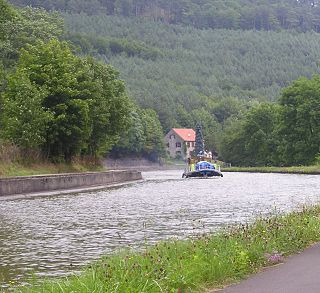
(181,68)
(57,105)
(301,15)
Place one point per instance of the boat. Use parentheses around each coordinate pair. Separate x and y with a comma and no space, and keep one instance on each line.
(201,167)
(200,162)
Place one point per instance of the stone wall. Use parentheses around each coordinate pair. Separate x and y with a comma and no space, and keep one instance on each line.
(43,183)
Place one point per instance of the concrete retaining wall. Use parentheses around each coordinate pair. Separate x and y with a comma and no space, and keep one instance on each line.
(32,184)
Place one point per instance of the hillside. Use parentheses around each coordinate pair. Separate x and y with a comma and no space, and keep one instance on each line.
(301,15)
(212,62)
(188,62)
(166,64)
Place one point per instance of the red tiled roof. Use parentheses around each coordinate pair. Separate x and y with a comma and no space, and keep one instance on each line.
(185,134)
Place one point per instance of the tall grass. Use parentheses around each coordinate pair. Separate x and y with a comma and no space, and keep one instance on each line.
(206,261)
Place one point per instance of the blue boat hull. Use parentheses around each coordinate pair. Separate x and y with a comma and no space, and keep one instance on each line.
(203,173)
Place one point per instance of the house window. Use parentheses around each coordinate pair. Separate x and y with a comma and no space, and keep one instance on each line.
(178,144)
(192,144)
(172,136)
(178,153)
(188,144)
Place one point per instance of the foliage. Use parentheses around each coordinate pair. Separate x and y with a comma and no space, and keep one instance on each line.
(106,46)
(315,169)
(183,73)
(25,26)
(267,15)
(199,262)
(63,104)
(153,147)
(196,68)
(251,140)
(287,133)
(299,128)
(109,108)
(132,140)
(24,119)
(199,143)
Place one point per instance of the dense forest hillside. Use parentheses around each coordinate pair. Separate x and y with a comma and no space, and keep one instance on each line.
(231,14)
(170,64)
(221,63)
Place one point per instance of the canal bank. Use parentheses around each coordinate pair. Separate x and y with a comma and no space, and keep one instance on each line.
(70,182)
(304,170)
(210,260)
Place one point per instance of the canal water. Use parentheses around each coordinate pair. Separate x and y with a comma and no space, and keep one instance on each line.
(54,236)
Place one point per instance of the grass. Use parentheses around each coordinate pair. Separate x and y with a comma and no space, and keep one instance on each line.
(290,170)
(19,169)
(196,264)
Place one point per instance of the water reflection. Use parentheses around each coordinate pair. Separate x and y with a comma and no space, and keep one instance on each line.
(55,235)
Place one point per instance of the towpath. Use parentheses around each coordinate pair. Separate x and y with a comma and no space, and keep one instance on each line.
(299,274)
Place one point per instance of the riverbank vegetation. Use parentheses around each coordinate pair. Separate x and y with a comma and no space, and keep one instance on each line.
(206,261)
(286,133)
(41,168)
(287,170)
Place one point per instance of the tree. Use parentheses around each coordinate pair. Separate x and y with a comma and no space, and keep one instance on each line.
(154,144)
(199,144)
(25,26)
(68,84)
(299,127)
(109,109)
(260,138)
(84,103)
(24,120)
(132,140)
(210,128)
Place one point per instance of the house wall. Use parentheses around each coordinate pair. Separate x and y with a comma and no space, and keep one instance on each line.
(176,146)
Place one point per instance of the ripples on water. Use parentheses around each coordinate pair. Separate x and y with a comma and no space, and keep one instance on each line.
(55,235)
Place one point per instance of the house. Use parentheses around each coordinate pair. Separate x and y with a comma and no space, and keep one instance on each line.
(180,142)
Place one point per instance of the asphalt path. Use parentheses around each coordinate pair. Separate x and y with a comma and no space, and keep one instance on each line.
(298,274)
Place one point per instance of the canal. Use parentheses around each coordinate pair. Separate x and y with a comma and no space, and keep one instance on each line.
(53,236)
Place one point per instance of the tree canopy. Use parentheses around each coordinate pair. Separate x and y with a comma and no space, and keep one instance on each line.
(301,15)
(63,104)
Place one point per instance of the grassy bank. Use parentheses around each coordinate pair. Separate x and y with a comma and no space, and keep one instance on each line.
(208,261)
(18,169)
(290,170)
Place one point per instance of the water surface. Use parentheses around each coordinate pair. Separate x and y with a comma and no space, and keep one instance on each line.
(53,236)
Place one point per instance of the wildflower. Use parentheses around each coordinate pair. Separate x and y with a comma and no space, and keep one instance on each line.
(274,258)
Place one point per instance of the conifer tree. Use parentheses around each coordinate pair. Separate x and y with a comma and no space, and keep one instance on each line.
(199,147)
